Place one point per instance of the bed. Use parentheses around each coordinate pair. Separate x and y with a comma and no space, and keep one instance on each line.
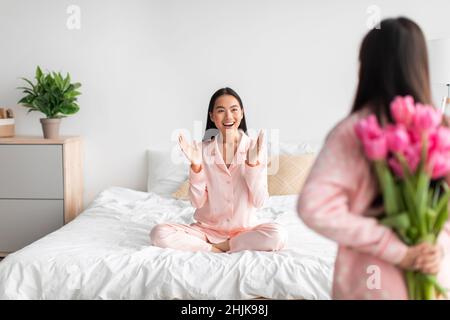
(105,254)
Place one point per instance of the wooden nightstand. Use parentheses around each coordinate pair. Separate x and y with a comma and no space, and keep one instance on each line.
(41,188)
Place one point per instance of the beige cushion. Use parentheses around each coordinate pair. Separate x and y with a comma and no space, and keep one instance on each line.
(183,191)
(288,179)
(291,174)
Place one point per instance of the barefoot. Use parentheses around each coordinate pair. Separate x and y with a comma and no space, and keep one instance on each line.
(223,246)
(214,249)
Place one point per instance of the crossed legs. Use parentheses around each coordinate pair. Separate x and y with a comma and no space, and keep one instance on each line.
(263,237)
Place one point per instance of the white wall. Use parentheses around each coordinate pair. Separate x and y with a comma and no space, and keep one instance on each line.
(149,67)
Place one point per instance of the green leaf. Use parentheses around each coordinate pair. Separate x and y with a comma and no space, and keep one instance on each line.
(410,280)
(413,234)
(409,198)
(388,188)
(436,195)
(423,184)
(24,88)
(400,221)
(439,288)
(69,109)
(23,100)
(29,93)
(443,201)
(442,213)
(29,82)
(38,73)
(58,80)
(430,218)
(66,83)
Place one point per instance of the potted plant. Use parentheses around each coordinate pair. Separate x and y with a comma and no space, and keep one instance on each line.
(54,96)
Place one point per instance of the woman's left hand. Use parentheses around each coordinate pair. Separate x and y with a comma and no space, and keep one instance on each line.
(254,151)
(430,261)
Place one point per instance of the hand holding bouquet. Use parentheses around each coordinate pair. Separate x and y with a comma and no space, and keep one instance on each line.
(411,158)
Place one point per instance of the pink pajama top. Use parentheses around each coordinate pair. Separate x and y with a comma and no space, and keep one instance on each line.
(226,198)
(336,202)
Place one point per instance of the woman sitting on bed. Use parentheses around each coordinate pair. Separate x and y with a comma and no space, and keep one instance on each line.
(227,182)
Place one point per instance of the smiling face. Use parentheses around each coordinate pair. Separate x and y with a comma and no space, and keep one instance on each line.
(227,114)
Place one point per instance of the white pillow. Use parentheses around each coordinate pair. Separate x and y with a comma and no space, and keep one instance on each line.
(293,148)
(167,170)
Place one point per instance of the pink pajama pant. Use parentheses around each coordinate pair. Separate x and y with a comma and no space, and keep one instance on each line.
(263,237)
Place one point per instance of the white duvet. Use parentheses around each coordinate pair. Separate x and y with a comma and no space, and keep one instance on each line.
(105,254)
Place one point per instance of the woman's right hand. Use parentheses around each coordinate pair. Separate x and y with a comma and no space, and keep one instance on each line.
(423,257)
(193,152)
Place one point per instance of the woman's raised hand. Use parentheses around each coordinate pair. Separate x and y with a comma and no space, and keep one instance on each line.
(193,152)
(254,151)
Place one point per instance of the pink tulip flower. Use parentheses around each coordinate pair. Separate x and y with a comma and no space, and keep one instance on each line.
(376,149)
(412,158)
(426,119)
(368,128)
(412,155)
(441,139)
(397,138)
(438,164)
(402,110)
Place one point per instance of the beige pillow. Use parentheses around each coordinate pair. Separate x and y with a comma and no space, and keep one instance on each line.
(288,179)
(291,174)
(183,191)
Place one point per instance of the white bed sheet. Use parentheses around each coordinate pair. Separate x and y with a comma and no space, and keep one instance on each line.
(105,254)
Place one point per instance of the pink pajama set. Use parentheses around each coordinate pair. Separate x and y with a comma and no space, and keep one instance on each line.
(225,200)
(336,201)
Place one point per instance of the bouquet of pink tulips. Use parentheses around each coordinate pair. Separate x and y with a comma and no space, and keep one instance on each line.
(411,158)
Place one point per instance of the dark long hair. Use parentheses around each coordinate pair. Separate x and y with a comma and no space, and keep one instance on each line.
(211,129)
(393,61)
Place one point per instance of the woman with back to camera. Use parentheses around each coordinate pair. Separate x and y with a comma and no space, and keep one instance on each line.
(339,199)
(227,183)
